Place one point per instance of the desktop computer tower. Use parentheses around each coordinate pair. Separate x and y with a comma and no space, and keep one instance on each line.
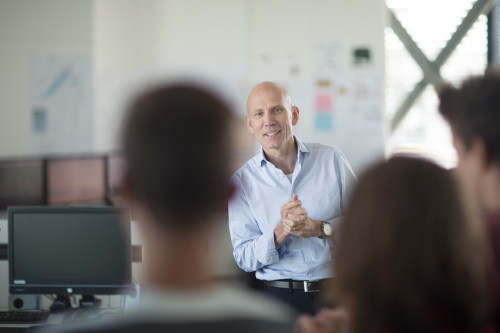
(25,302)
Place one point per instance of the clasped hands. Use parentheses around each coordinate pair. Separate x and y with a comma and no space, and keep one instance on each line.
(295,221)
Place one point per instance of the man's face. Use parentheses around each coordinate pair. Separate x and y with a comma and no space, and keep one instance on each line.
(271,117)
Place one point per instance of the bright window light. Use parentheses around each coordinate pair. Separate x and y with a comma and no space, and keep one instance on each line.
(431,23)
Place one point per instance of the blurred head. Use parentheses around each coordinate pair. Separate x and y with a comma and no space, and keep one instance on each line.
(177,149)
(408,258)
(473,111)
(271,115)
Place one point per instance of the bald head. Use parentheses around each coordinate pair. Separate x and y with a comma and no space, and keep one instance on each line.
(264,89)
(270,117)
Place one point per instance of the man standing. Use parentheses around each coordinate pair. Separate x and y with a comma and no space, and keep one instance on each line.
(473,111)
(289,202)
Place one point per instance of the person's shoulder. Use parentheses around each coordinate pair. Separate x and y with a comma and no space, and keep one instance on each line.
(225,308)
(244,302)
(251,311)
(104,322)
(242,325)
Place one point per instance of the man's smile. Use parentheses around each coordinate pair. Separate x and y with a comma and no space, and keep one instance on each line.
(271,134)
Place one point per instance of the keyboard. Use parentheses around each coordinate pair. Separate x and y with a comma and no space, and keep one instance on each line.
(20,317)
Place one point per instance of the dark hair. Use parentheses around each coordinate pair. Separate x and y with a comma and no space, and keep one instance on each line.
(408,259)
(473,110)
(177,150)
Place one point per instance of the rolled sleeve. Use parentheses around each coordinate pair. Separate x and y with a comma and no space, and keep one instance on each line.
(252,248)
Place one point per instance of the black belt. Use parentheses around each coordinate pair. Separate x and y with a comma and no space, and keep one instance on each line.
(306,286)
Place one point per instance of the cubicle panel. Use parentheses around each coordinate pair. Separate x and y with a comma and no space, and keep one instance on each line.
(115,172)
(76,180)
(21,182)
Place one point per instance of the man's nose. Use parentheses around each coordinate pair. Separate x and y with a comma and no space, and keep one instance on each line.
(268,119)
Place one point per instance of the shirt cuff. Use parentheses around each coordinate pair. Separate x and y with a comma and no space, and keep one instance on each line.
(268,254)
(336,224)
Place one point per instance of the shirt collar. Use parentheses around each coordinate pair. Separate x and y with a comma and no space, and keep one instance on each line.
(301,148)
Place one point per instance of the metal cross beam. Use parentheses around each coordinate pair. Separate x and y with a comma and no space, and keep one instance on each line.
(431,69)
(493,36)
(431,73)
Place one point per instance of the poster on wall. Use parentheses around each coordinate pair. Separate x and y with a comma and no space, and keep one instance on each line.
(323,106)
(60,103)
(347,101)
(329,60)
(366,113)
(328,66)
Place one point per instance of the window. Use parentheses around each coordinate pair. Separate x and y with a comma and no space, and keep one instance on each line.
(431,23)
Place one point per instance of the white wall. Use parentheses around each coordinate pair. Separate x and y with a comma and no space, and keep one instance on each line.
(235,42)
(28,26)
(140,41)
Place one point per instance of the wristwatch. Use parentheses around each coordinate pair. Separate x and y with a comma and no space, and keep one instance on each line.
(326,230)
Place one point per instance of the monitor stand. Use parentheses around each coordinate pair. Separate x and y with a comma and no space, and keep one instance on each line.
(61,303)
(89,301)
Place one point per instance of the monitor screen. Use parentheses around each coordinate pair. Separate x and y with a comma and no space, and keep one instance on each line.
(69,250)
(76,180)
(21,182)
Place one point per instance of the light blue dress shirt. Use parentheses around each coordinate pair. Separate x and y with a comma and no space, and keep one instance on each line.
(322,179)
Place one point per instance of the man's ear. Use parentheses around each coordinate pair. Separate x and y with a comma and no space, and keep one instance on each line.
(248,122)
(131,200)
(126,192)
(480,152)
(129,196)
(295,115)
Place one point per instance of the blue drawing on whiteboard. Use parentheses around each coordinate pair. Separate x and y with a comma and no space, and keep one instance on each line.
(58,82)
(39,120)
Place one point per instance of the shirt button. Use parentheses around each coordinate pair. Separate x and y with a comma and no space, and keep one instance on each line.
(308,258)
(309,275)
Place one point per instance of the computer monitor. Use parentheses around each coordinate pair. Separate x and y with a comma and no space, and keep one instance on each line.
(76,180)
(69,250)
(21,182)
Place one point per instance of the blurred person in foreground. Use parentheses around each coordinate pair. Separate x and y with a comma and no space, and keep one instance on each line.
(289,203)
(473,112)
(409,259)
(177,150)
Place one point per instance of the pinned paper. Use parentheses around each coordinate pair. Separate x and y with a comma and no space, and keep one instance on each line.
(323,122)
(324,102)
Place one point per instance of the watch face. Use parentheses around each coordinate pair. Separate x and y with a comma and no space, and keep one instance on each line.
(327,228)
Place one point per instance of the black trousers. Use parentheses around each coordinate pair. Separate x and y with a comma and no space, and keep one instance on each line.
(301,301)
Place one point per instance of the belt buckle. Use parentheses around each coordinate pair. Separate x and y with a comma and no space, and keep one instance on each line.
(306,287)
